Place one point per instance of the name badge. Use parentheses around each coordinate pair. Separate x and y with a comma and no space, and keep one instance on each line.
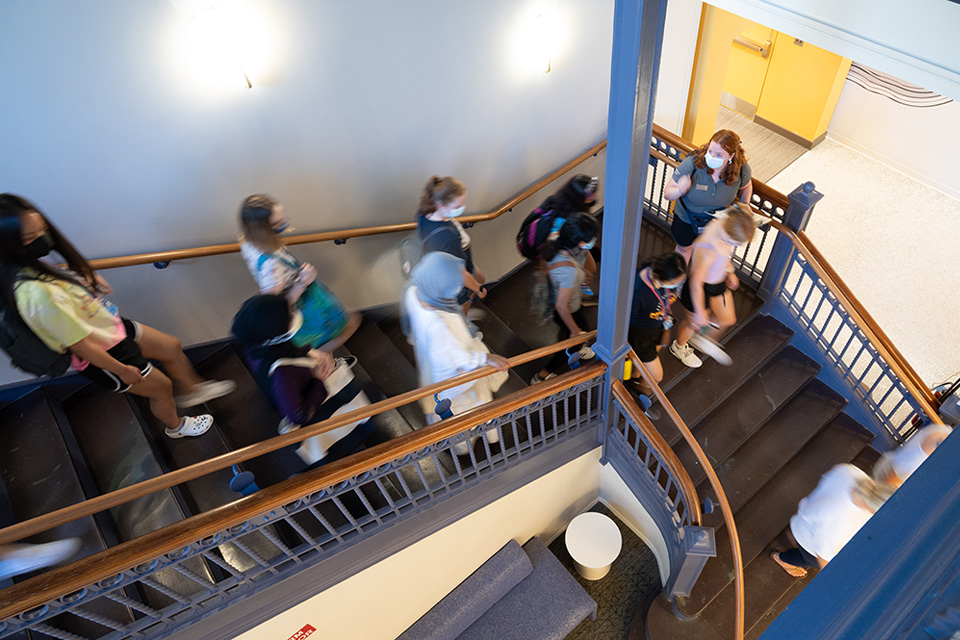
(701,187)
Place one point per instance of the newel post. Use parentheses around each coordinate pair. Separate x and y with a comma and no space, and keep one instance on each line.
(802,201)
(699,545)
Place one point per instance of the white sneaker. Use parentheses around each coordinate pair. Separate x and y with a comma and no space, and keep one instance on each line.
(286,426)
(686,355)
(476,315)
(206,391)
(586,353)
(191,426)
(24,558)
(536,379)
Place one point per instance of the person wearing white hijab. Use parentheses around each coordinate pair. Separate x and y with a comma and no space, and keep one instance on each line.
(445,343)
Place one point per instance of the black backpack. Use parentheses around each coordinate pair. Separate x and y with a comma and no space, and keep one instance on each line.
(28,352)
(535,231)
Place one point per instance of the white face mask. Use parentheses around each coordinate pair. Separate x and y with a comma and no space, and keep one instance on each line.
(456,213)
(713,162)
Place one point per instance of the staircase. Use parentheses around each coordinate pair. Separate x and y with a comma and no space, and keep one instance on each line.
(770,426)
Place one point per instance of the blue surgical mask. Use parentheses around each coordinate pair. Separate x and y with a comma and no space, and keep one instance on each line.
(589,245)
(283,226)
(713,162)
(456,213)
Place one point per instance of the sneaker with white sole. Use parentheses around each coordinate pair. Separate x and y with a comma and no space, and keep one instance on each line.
(286,426)
(16,559)
(346,361)
(685,355)
(206,391)
(536,379)
(191,426)
(586,353)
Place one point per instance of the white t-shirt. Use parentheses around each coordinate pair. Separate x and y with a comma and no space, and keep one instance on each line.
(911,455)
(278,269)
(445,348)
(827,518)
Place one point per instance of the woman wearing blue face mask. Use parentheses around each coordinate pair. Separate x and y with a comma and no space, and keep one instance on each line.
(326,324)
(441,203)
(655,290)
(708,180)
(569,265)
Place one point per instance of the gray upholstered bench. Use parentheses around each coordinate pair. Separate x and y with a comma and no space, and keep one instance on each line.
(519,593)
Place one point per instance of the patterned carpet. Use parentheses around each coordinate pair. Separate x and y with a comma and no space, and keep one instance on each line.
(631,585)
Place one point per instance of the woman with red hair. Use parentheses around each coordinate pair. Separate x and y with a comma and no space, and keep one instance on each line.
(708,180)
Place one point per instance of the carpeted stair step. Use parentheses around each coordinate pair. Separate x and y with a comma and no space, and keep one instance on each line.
(389,369)
(38,473)
(696,394)
(769,511)
(745,411)
(754,631)
(765,585)
(866,459)
(247,417)
(752,465)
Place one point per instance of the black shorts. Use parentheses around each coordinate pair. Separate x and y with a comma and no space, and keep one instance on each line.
(126,351)
(683,232)
(709,291)
(645,341)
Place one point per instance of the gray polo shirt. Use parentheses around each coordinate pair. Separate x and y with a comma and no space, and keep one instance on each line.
(705,195)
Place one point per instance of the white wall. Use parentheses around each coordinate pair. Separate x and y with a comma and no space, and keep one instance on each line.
(110,129)
(915,41)
(405,585)
(680,31)
(920,142)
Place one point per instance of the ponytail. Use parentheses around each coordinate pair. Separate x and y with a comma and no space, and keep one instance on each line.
(439,191)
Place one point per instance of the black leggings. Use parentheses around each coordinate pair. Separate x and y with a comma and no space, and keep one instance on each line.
(559,359)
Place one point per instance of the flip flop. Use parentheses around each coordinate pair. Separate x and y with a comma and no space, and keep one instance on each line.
(795,571)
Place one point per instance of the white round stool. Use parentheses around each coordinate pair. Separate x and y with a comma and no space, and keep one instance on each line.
(594,542)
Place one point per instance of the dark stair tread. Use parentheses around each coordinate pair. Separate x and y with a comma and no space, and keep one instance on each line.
(769,512)
(765,585)
(387,366)
(747,409)
(695,395)
(752,465)
(246,417)
(118,455)
(38,472)
(756,629)
(866,459)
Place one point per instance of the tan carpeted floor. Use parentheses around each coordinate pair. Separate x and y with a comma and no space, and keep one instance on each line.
(894,241)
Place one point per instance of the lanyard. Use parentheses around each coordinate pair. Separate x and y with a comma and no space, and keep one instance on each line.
(664,303)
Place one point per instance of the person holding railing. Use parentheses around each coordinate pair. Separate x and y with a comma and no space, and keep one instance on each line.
(65,308)
(326,324)
(569,265)
(444,342)
(706,295)
(441,203)
(706,181)
(828,518)
(654,293)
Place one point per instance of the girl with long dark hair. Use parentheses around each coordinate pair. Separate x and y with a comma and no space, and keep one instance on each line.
(65,309)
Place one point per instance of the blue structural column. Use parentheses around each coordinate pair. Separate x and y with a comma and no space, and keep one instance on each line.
(637,39)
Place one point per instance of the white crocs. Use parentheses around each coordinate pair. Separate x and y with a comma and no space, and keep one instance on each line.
(191,426)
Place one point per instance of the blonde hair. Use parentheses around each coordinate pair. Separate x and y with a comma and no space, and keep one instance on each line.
(739,223)
(255,215)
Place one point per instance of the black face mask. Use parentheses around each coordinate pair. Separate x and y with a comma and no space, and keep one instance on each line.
(40,246)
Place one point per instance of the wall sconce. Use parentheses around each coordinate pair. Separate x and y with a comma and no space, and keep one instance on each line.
(224,38)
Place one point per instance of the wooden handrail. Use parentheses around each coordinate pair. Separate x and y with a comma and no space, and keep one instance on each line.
(877,336)
(670,459)
(77,575)
(868,319)
(325,236)
(99,503)
(714,483)
(907,375)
